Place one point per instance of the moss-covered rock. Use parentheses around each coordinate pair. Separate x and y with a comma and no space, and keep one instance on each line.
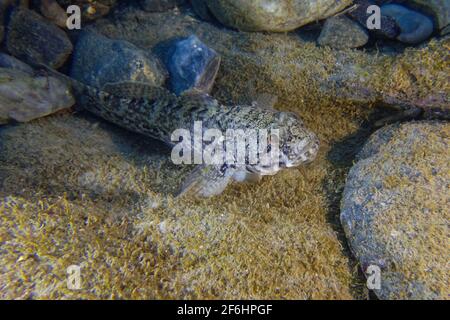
(9,62)
(273,15)
(395,209)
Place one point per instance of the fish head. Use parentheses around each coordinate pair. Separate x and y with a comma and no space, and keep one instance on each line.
(293,144)
(297,144)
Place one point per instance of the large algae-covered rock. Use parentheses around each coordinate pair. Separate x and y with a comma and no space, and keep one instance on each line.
(24,97)
(273,15)
(439,8)
(395,209)
(74,191)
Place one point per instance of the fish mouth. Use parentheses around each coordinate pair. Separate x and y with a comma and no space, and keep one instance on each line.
(264,170)
(305,156)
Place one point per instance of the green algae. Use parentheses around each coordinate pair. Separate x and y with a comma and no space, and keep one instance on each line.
(277,239)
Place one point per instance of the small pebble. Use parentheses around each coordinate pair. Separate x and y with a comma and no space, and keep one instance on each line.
(341,32)
(414,26)
(192,64)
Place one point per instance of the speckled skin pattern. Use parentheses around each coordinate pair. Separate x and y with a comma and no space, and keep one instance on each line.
(156,113)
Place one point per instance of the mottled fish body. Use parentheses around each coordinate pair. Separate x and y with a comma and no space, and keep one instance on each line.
(157,113)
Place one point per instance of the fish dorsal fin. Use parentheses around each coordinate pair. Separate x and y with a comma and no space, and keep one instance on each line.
(261,100)
(196,97)
(133,89)
(265,101)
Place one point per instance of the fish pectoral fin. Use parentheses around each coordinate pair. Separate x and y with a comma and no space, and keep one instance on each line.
(195,98)
(251,177)
(265,101)
(135,89)
(260,100)
(206,181)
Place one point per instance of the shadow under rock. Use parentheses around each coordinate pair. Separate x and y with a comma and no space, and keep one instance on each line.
(21,171)
(147,154)
(341,156)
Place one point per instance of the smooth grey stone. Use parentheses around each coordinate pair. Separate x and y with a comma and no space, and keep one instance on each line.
(440,9)
(9,62)
(24,97)
(389,28)
(341,32)
(98,60)
(35,40)
(414,26)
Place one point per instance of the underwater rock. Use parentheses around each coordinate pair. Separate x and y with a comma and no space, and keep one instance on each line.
(159,5)
(341,32)
(90,10)
(98,60)
(192,65)
(414,26)
(24,98)
(395,209)
(9,62)
(389,28)
(438,8)
(2,20)
(294,70)
(445,31)
(273,15)
(3,8)
(201,9)
(51,10)
(35,40)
